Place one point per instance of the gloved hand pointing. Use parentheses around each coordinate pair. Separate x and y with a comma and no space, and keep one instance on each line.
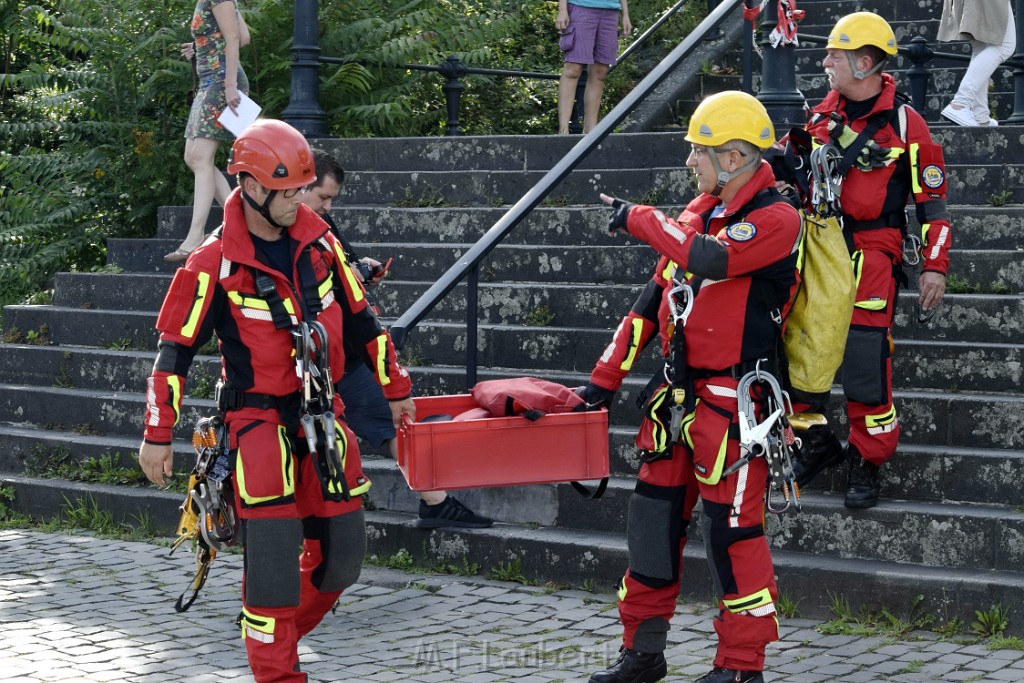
(618,219)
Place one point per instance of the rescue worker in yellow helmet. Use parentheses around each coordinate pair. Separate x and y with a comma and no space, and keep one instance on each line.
(730,260)
(873,203)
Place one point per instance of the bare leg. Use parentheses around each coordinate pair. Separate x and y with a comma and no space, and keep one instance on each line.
(567,94)
(596,74)
(209,184)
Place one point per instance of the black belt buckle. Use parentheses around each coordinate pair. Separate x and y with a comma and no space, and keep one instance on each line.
(228,398)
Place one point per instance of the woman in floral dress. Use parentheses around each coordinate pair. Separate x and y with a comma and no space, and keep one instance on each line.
(218,32)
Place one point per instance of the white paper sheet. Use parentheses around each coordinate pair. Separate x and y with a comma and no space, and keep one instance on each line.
(247,113)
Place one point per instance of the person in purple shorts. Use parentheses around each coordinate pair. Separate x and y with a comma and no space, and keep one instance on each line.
(590,35)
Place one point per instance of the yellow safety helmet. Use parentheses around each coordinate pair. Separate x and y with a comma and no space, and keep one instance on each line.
(731,115)
(860,29)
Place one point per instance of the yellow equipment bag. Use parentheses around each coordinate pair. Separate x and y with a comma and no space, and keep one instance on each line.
(817,325)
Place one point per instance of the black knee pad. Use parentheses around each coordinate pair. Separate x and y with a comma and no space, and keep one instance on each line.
(718,536)
(654,529)
(272,562)
(342,546)
(867,350)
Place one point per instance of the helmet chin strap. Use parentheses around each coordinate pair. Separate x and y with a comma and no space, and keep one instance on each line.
(725,176)
(857,73)
(263,209)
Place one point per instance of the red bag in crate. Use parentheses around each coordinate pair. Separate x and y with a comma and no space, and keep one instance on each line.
(529,397)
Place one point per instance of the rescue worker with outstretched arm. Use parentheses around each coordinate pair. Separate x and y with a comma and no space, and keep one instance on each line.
(896,161)
(272,282)
(732,253)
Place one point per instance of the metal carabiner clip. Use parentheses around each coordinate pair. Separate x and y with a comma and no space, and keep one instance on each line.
(673,306)
(911,250)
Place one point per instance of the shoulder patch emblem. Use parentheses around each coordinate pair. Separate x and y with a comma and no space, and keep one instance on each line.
(932,176)
(741,232)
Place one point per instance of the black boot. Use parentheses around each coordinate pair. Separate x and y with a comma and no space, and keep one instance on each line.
(819,448)
(634,667)
(863,485)
(717,675)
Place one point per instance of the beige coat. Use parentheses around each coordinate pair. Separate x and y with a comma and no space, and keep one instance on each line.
(981,20)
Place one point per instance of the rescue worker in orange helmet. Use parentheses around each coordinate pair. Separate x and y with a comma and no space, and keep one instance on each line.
(732,254)
(271,275)
(896,160)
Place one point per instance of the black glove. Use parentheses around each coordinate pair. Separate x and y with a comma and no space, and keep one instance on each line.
(594,396)
(618,219)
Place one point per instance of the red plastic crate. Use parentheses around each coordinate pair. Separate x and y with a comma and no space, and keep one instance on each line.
(499,451)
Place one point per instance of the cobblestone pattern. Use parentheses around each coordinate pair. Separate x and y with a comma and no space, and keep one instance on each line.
(79,608)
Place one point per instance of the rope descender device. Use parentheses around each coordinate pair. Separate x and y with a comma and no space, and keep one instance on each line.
(208,517)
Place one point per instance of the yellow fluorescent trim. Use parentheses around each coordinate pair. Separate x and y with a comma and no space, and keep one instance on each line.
(914,170)
(202,289)
(762,597)
(716,472)
(880,420)
(634,343)
(382,356)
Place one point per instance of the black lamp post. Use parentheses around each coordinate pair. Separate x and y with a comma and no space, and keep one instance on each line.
(303,110)
(779,94)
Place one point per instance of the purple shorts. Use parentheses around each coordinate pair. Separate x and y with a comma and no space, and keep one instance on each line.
(592,36)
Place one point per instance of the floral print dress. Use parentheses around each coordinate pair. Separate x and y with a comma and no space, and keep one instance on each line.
(210,67)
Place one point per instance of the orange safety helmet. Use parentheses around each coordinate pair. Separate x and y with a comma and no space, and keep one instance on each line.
(275,154)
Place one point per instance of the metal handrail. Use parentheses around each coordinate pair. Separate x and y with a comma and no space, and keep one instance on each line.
(467,265)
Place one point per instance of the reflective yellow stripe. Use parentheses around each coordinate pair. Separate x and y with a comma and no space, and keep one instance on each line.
(288,481)
(872,305)
(353,281)
(888,417)
(670,269)
(634,343)
(924,233)
(327,285)
(716,472)
(659,430)
(248,301)
(202,289)
(174,384)
(758,599)
(914,172)
(622,589)
(255,302)
(382,356)
(264,625)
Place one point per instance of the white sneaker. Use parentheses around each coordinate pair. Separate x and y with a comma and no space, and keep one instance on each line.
(962,116)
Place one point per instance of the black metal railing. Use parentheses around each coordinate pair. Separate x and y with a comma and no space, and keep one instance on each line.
(466,268)
(453,70)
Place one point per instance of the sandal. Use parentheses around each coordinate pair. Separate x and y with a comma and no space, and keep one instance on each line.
(178,255)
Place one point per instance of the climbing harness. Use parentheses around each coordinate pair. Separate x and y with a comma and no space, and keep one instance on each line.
(772,439)
(208,518)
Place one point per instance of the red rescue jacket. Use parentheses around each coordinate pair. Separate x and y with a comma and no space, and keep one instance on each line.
(216,292)
(883,192)
(741,265)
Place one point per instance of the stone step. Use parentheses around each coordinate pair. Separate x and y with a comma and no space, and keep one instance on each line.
(934,418)
(575,556)
(373,227)
(605,261)
(926,474)
(114,348)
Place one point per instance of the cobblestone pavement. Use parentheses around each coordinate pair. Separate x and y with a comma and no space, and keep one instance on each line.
(79,608)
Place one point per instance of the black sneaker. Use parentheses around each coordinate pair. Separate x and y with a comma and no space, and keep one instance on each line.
(819,448)
(863,485)
(634,667)
(718,675)
(450,513)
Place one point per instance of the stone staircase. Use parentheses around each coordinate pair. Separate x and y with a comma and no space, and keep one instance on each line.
(950,526)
